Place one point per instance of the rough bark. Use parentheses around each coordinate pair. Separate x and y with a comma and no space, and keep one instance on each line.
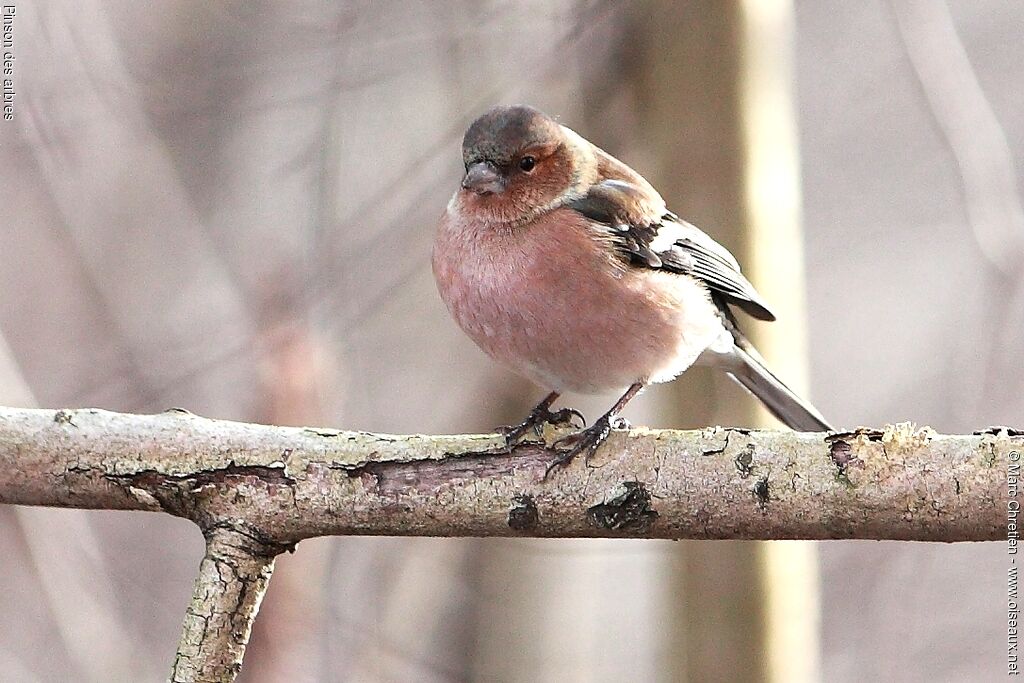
(283,484)
(232,581)
(257,490)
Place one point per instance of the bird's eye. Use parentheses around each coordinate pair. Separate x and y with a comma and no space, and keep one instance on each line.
(527,163)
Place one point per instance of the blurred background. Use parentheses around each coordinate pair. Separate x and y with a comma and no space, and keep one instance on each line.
(229,207)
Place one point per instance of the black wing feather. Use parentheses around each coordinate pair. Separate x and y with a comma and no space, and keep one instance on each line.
(628,215)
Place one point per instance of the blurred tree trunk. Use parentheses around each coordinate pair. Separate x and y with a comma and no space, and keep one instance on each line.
(712,87)
(677,98)
(774,256)
(688,73)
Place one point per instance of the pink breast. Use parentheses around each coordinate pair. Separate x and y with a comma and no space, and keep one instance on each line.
(551,302)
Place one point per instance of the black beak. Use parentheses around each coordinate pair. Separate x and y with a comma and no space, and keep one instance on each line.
(482,177)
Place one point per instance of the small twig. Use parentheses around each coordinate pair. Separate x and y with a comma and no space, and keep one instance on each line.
(232,580)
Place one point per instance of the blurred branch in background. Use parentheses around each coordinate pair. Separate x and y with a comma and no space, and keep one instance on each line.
(971,129)
(985,162)
(74,124)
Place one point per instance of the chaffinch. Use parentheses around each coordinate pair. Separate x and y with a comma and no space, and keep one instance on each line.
(564,264)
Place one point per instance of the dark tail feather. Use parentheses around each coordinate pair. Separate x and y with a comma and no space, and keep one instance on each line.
(746,366)
(779,399)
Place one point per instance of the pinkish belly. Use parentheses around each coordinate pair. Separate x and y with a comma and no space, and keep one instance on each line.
(590,335)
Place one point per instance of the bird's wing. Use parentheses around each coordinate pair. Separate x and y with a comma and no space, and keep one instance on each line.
(649,235)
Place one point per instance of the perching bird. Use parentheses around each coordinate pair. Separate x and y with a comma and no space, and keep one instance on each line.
(564,264)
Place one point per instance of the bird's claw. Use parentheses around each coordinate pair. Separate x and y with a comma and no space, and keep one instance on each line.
(536,420)
(565,417)
(586,442)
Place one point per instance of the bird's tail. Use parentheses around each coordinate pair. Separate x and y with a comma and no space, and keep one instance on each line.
(780,400)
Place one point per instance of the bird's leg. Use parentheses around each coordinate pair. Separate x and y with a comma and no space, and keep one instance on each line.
(589,440)
(540,416)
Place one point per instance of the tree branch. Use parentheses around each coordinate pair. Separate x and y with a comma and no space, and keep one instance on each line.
(231,583)
(283,484)
(257,490)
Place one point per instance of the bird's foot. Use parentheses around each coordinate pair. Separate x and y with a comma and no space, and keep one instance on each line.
(586,441)
(536,420)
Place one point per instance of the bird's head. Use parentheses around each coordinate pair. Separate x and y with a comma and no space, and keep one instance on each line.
(520,163)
